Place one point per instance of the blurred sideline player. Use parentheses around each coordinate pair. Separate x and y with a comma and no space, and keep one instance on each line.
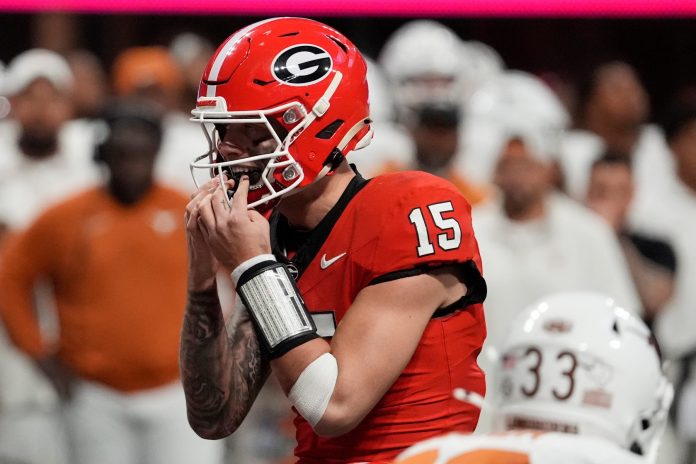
(580,382)
(386,270)
(427,64)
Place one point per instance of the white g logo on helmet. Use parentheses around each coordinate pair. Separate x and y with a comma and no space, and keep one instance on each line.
(301,65)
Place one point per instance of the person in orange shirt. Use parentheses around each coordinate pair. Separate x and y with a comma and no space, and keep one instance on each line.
(115,256)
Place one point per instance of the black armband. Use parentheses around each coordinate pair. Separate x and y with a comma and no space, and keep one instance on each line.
(278,311)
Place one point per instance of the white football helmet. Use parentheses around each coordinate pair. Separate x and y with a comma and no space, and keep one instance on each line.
(421,47)
(519,103)
(423,60)
(577,362)
(513,104)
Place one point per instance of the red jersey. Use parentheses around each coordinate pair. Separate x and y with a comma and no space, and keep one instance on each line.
(390,227)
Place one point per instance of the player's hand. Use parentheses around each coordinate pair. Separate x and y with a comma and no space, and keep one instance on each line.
(202,264)
(235,234)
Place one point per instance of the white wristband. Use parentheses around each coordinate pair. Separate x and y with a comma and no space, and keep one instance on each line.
(239,270)
(312,390)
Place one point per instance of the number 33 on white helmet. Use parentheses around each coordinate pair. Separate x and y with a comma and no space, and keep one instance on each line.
(580,363)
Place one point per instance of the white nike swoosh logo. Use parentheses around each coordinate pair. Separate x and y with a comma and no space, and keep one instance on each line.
(328,262)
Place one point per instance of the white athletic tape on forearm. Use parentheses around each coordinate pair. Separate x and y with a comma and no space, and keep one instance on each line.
(246,265)
(313,388)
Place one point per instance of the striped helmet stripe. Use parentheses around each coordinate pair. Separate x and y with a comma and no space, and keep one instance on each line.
(227,47)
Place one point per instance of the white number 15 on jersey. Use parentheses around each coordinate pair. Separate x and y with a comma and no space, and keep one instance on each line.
(449,239)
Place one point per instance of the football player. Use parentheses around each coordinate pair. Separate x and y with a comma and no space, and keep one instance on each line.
(362,296)
(580,382)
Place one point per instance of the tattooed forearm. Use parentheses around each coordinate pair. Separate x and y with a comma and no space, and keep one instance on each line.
(222,370)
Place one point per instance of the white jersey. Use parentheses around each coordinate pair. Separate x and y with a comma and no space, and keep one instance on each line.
(520,447)
(569,249)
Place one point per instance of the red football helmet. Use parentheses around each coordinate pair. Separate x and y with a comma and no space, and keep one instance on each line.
(302,80)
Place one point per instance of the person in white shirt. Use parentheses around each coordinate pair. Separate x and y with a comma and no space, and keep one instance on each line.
(674,214)
(580,382)
(432,72)
(512,98)
(534,241)
(46,155)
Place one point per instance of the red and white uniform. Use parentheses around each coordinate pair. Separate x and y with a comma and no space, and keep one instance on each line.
(390,227)
(521,447)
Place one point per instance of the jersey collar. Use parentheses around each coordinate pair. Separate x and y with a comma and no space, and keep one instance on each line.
(306,245)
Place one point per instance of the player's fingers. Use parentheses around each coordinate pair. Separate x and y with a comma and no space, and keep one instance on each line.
(239,202)
(188,219)
(220,203)
(255,216)
(207,187)
(192,205)
(191,215)
(206,214)
(202,227)
(199,194)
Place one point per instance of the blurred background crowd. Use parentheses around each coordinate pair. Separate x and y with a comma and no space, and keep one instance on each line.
(574,140)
